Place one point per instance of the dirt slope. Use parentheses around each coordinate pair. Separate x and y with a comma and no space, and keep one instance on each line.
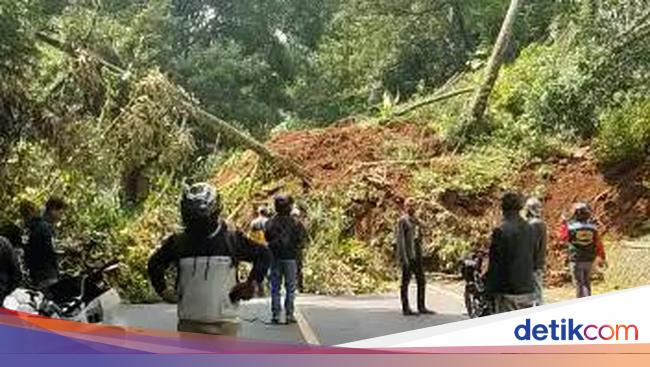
(342,156)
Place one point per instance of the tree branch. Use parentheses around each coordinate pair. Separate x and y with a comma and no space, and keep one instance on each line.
(216,124)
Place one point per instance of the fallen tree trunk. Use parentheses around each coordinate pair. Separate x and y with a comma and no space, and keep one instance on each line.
(221,126)
(211,121)
(434,99)
(425,102)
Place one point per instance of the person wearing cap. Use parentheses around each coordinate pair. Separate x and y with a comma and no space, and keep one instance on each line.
(511,266)
(585,247)
(533,214)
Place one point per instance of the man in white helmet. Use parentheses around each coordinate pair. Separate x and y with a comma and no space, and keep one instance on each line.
(206,254)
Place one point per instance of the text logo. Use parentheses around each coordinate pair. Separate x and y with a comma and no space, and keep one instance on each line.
(568,329)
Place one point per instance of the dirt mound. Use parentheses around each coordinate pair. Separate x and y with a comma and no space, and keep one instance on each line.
(372,167)
(334,155)
(620,201)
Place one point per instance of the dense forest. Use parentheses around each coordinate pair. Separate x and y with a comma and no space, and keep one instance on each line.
(349,105)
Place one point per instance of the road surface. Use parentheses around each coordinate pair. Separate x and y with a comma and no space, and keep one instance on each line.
(323,320)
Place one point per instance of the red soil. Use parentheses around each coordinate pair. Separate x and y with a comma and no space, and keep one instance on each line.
(348,155)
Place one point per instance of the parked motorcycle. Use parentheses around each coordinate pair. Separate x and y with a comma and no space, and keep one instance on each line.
(477,302)
(85,297)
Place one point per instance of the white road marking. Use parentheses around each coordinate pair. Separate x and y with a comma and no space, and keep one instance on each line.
(305,329)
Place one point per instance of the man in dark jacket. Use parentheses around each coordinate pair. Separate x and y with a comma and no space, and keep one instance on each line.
(285,236)
(40,256)
(205,254)
(512,259)
(409,247)
(10,274)
(533,213)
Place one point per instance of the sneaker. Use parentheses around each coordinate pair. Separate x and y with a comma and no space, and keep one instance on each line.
(426,311)
(291,319)
(275,320)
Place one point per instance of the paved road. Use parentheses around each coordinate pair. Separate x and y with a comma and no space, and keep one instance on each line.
(254,320)
(323,320)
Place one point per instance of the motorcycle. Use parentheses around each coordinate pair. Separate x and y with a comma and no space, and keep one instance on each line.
(85,297)
(477,302)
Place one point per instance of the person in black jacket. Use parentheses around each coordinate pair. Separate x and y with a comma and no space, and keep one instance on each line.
(285,237)
(40,256)
(206,254)
(512,259)
(10,273)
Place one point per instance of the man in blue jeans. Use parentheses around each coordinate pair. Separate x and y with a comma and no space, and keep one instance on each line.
(285,237)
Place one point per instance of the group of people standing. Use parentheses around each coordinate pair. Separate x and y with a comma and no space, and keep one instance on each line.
(35,239)
(285,235)
(207,253)
(517,253)
(517,256)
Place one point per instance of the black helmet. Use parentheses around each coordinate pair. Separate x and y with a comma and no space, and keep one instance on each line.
(581,210)
(200,202)
(263,210)
(283,204)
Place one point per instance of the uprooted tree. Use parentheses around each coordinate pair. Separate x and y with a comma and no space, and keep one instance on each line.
(217,125)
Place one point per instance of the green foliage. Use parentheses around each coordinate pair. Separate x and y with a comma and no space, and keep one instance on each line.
(234,85)
(404,47)
(477,172)
(29,173)
(626,264)
(335,263)
(15,36)
(449,250)
(545,86)
(149,131)
(144,231)
(624,134)
(95,214)
(528,140)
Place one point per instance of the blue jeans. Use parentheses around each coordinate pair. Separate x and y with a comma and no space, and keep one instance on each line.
(287,270)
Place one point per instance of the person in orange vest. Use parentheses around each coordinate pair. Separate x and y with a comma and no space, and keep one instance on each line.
(256,233)
(258,224)
(585,247)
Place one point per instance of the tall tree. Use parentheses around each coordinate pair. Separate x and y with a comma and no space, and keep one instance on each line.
(473,120)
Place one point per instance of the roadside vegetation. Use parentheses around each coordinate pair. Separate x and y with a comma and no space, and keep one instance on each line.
(93,108)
